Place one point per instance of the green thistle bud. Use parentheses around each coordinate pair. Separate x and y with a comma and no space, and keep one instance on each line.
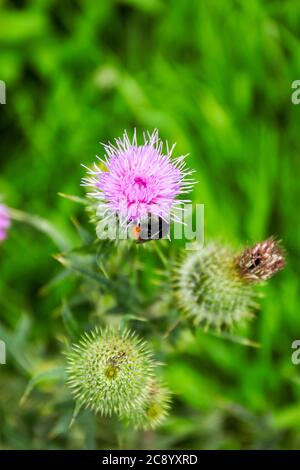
(210,289)
(155,409)
(109,372)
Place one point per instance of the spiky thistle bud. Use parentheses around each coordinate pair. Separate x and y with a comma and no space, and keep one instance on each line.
(210,289)
(156,408)
(109,372)
(261,261)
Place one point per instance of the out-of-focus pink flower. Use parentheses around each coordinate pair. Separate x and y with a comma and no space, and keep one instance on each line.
(4,222)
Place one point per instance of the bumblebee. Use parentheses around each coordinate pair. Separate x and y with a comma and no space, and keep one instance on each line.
(155,228)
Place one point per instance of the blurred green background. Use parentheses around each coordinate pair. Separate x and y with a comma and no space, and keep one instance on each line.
(214,76)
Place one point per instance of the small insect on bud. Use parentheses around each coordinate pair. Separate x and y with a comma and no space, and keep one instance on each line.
(109,372)
(261,261)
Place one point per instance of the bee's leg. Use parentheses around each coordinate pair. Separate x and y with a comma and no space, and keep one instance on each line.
(149,226)
(160,225)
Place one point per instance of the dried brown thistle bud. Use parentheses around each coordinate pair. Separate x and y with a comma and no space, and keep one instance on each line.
(261,261)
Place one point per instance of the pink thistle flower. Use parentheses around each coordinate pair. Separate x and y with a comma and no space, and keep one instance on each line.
(139,180)
(4,222)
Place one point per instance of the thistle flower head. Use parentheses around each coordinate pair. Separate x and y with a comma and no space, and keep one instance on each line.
(209,289)
(155,410)
(136,180)
(4,222)
(109,372)
(261,261)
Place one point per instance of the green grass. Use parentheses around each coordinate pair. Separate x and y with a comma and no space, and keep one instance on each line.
(214,76)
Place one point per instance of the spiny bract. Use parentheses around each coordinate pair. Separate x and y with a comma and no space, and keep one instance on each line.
(209,289)
(109,371)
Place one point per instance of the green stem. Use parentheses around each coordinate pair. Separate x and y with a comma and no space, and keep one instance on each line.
(42,225)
